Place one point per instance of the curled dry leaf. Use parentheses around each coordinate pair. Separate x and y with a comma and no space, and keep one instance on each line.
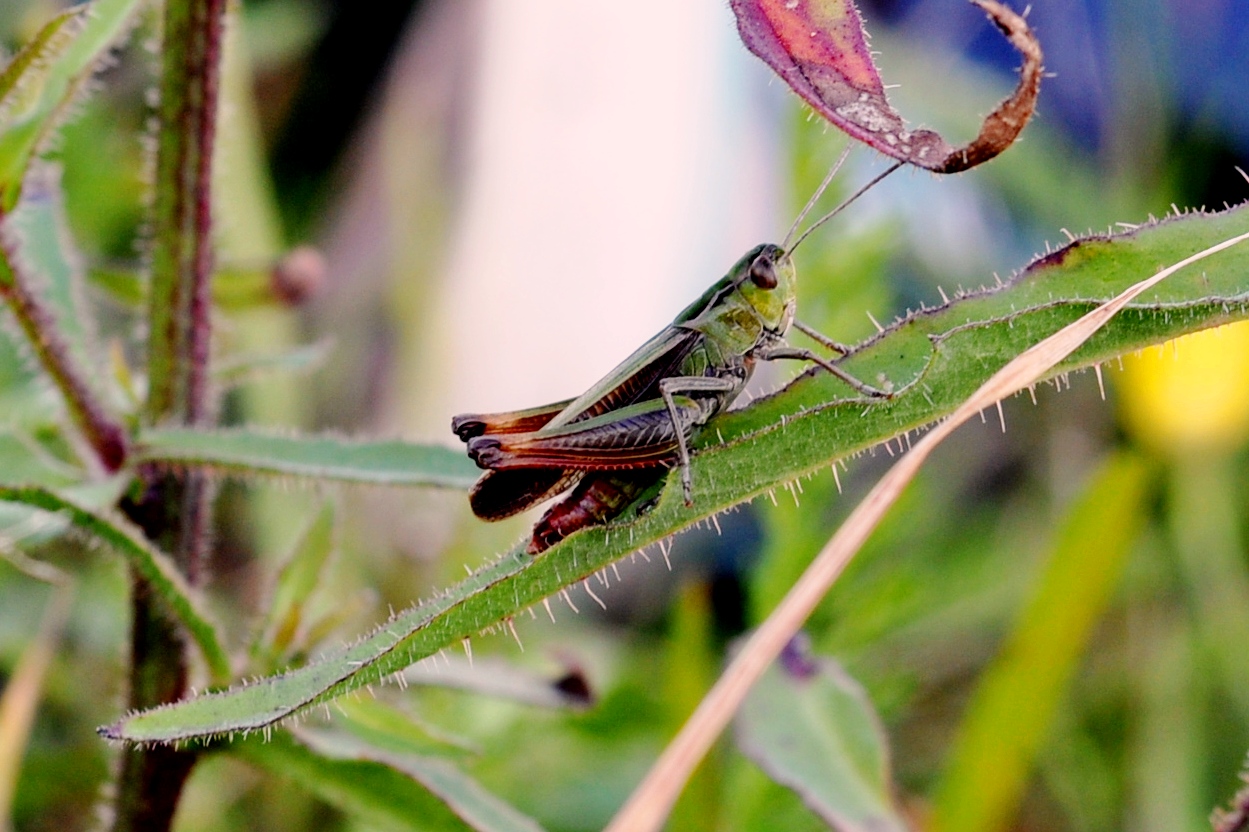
(819,48)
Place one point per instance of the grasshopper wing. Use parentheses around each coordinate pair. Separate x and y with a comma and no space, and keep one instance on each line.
(468,425)
(636,379)
(642,434)
(579,426)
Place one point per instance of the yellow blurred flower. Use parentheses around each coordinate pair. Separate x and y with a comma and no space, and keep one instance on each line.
(1191,393)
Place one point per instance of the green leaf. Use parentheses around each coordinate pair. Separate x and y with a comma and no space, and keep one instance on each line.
(420,631)
(23,462)
(44,43)
(154,566)
(320,457)
(382,788)
(252,368)
(295,583)
(812,728)
(38,86)
(1022,690)
(377,796)
(386,727)
(478,808)
(934,359)
(26,526)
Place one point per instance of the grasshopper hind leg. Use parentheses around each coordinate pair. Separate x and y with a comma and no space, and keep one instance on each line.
(692,384)
(500,494)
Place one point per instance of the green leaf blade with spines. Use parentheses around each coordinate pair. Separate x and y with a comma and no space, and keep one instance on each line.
(47,255)
(934,359)
(243,452)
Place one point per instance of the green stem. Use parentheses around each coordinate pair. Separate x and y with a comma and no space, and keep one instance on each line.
(182,259)
(174,512)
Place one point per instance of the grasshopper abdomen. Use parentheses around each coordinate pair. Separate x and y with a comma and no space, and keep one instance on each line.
(595,500)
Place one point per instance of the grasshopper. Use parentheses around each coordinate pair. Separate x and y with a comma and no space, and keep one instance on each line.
(621,436)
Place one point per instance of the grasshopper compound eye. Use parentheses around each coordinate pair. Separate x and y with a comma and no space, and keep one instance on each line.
(763,272)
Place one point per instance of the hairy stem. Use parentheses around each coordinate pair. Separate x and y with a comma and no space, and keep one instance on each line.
(175,512)
(182,258)
(104,433)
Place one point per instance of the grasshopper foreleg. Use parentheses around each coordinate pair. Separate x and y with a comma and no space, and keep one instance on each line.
(779,351)
(689,384)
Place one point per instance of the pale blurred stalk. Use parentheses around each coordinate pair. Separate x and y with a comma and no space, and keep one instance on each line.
(1203,516)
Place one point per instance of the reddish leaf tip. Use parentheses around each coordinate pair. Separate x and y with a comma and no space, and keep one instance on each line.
(819,48)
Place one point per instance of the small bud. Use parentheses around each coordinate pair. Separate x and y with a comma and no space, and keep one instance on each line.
(298,276)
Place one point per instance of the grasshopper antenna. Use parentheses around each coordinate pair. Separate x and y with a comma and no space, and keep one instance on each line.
(790,249)
(819,192)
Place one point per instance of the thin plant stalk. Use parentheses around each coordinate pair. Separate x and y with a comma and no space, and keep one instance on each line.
(175,512)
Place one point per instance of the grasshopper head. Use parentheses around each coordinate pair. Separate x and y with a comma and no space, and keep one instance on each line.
(768,282)
(757,294)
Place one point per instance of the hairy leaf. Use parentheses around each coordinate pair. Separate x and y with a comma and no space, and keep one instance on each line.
(40,238)
(295,583)
(321,457)
(933,359)
(812,728)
